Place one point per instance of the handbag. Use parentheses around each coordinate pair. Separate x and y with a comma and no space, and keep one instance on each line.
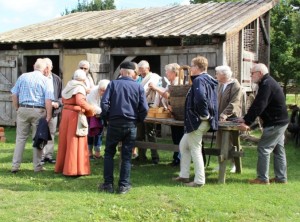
(82,125)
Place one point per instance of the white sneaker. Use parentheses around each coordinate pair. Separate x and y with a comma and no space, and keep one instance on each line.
(233,169)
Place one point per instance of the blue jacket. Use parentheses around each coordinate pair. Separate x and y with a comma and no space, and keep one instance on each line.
(201,101)
(42,134)
(124,102)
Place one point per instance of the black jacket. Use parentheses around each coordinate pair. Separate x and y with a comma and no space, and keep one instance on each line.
(57,86)
(269,104)
(42,134)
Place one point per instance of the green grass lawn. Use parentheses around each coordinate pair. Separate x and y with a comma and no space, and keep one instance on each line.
(46,196)
(293,99)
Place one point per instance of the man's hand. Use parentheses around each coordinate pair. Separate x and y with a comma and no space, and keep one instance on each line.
(55,105)
(243,127)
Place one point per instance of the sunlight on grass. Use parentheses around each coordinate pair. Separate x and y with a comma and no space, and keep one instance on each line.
(47,196)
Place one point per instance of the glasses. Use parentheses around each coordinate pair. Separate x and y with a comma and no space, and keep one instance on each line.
(252,73)
(83,68)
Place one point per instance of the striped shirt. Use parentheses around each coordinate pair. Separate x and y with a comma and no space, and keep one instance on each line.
(33,88)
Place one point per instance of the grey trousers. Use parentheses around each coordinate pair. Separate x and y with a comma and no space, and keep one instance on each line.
(272,140)
(49,148)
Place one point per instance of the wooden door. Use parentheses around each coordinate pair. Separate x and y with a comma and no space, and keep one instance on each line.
(99,66)
(248,61)
(8,77)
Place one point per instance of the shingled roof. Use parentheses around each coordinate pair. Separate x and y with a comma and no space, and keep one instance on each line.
(172,21)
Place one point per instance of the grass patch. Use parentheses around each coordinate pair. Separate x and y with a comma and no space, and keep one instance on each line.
(47,196)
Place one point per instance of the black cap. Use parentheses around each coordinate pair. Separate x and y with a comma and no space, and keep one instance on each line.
(127,65)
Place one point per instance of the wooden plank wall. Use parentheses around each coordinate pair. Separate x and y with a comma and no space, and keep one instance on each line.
(8,77)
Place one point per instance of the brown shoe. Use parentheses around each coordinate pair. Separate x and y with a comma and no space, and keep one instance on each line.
(181,179)
(193,184)
(274,180)
(258,181)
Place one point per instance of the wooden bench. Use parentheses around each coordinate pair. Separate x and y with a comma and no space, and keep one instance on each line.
(224,153)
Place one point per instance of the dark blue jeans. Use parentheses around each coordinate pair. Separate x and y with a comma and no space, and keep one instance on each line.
(115,134)
(177,133)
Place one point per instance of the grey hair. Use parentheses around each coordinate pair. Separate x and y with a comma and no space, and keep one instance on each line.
(261,68)
(84,62)
(225,70)
(174,67)
(103,83)
(40,64)
(49,62)
(144,64)
(80,75)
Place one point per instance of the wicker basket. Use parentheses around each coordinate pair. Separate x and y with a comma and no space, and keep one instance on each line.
(178,95)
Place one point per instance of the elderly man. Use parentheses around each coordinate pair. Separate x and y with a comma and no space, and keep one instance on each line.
(269,105)
(123,105)
(32,98)
(56,104)
(148,130)
(230,95)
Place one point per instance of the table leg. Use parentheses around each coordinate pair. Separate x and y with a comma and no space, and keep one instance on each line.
(224,146)
(236,143)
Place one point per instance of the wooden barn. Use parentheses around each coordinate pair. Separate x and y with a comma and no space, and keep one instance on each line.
(230,33)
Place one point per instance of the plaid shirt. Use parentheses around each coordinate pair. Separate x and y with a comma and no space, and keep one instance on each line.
(33,88)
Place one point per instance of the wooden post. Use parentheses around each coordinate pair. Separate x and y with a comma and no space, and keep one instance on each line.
(2,135)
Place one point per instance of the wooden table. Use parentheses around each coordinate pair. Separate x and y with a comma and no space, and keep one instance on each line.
(225,150)
(228,150)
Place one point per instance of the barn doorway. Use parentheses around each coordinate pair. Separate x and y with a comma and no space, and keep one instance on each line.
(154,62)
(30,60)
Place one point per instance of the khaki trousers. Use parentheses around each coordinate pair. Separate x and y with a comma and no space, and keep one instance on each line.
(27,118)
(190,149)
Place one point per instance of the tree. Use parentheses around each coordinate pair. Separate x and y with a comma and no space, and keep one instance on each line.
(285,42)
(93,5)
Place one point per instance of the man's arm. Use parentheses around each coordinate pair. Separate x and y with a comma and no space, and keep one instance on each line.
(15,101)
(48,103)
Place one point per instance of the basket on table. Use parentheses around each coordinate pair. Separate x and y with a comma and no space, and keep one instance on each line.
(159,113)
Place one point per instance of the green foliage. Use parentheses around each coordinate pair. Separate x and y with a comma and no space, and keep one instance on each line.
(285,42)
(93,5)
(46,196)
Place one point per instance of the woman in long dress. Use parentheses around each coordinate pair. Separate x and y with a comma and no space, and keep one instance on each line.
(73,155)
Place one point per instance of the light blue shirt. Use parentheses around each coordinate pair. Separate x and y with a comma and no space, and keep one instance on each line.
(33,88)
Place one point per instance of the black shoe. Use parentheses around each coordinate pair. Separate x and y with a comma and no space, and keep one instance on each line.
(141,159)
(108,188)
(14,171)
(174,163)
(48,160)
(52,161)
(123,189)
(155,161)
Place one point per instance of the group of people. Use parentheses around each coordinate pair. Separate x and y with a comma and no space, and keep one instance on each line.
(123,104)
